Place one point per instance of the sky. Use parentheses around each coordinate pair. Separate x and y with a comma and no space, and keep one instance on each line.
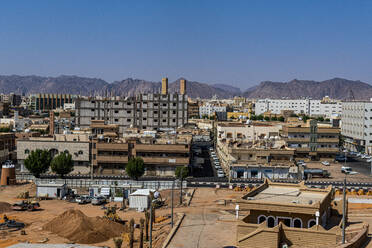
(239,43)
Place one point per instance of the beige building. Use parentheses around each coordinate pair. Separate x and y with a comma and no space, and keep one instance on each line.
(78,145)
(7,146)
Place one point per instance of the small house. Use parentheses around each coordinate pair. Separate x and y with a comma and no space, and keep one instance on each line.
(140,199)
(51,190)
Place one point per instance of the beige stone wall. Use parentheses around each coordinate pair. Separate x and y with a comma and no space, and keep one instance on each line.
(72,147)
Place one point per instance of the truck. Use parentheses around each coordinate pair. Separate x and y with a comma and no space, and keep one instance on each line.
(315,172)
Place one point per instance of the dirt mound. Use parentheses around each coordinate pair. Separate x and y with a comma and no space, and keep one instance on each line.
(77,227)
(5,207)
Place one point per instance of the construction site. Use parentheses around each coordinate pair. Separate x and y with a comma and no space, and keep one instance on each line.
(207,217)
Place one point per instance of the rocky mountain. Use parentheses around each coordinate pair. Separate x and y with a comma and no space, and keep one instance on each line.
(93,86)
(337,88)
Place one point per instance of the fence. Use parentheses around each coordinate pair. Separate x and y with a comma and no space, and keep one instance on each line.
(87,183)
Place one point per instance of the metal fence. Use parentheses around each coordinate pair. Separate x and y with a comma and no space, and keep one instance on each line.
(87,183)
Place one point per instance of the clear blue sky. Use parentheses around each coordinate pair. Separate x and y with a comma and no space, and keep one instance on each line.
(234,42)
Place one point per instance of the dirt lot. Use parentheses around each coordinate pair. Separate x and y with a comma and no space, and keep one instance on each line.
(52,208)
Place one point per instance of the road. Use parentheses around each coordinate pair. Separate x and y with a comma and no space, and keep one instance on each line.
(360,165)
(204,225)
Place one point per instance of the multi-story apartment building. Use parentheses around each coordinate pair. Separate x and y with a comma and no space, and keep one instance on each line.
(46,102)
(145,111)
(209,109)
(312,142)
(161,153)
(356,125)
(325,107)
(193,109)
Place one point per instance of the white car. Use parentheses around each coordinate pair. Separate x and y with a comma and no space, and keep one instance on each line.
(326,163)
(369,160)
(348,170)
(367,157)
(363,156)
(220,175)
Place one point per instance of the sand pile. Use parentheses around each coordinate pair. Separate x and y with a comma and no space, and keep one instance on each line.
(5,207)
(77,227)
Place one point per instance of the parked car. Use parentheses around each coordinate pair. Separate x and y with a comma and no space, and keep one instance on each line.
(348,170)
(326,163)
(369,160)
(341,158)
(367,157)
(98,200)
(84,199)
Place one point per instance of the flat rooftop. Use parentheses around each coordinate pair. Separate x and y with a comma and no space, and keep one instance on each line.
(296,195)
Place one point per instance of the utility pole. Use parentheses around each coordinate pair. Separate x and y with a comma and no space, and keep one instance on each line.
(344,212)
(172,203)
(151,224)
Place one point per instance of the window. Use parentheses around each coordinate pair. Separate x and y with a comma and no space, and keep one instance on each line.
(297,223)
(174,112)
(27,151)
(116,120)
(116,103)
(164,112)
(116,111)
(155,112)
(164,104)
(270,221)
(129,112)
(311,223)
(254,173)
(144,119)
(129,120)
(155,104)
(80,152)
(155,120)
(93,102)
(174,104)
(164,120)
(174,120)
(92,110)
(66,151)
(144,111)
(92,118)
(261,219)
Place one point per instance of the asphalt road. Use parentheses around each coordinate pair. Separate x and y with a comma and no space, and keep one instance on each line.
(359,165)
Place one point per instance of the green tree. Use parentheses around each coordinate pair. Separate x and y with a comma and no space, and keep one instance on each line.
(135,168)
(281,118)
(260,117)
(274,118)
(181,173)
(320,119)
(38,162)
(327,120)
(253,118)
(267,118)
(62,164)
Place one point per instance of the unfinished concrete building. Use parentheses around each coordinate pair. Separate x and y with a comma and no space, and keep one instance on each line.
(145,111)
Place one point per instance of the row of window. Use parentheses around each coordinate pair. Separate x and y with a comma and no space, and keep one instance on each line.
(295,222)
(55,151)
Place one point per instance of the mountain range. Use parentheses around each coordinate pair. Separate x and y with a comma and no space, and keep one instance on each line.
(337,88)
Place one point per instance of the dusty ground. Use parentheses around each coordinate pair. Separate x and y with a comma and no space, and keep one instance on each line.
(336,175)
(52,208)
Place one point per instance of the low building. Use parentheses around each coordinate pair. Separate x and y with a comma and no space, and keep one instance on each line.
(140,199)
(277,214)
(192,109)
(78,145)
(51,190)
(313,141)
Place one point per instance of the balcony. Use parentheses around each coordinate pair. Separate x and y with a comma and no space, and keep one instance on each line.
(112,147)
(112,159)
(328,140)
(166,161)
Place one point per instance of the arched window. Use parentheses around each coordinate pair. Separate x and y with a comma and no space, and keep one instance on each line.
(311,223)
(66,151)
(27,151)
(53,152)
(80,152)
(261,219)
(297,223)
(270,221)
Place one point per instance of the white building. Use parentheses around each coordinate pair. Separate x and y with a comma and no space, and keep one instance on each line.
(326,108)
(210,109)
(356,125)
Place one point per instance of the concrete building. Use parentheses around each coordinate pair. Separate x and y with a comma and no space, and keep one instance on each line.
(356,125)
(312,142)
(161,152)
(7,146)
(145,111)
(326,107)
(286,215)
(192,109)
(78,145)
(250,131)
(210,109)
(46,102)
